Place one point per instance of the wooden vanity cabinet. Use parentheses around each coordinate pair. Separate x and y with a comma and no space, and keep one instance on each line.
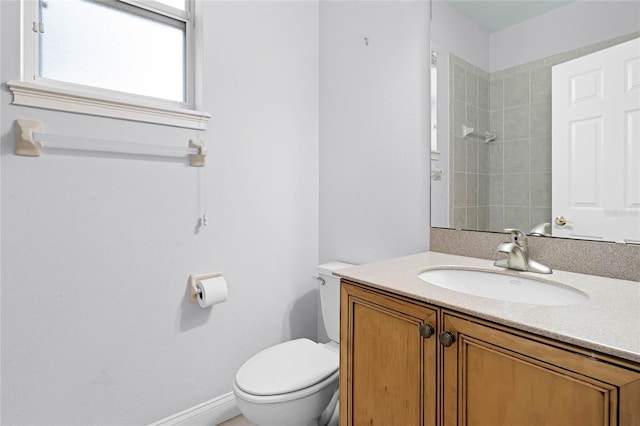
(387,360)
(487,375)
(493,375)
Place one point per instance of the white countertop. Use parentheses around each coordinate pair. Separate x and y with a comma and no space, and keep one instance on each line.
(608,322)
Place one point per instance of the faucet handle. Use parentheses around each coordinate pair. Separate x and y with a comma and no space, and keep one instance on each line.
(517,237)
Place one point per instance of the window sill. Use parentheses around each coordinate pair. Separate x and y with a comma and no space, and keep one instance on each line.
(41,96)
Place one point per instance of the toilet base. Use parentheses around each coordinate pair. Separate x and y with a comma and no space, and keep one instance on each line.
(291,411)
(331,415)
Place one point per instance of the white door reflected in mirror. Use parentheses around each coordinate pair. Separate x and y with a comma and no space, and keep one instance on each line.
(596,149)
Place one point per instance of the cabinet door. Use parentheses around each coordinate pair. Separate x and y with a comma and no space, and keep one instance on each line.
(493,377)
(387,362)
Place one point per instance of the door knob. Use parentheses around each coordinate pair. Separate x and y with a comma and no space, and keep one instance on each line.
(446,338)
(561,221)
(426,330)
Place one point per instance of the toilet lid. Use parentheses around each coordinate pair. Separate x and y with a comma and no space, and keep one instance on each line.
(287,367)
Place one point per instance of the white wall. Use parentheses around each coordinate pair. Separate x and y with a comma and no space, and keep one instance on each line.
(96,252)
(457,34)
(374,141)
(559,31)
(548,34)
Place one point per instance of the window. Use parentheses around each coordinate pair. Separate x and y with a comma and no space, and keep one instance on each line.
(435,154)
(113,45)
(120,58)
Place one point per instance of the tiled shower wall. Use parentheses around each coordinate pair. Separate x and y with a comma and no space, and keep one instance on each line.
(520,158)
(469,158)
(505,183)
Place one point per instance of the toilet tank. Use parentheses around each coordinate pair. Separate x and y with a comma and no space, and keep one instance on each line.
(330,297)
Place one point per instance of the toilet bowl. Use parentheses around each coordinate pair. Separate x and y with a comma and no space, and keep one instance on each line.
(287,384)
(295,383)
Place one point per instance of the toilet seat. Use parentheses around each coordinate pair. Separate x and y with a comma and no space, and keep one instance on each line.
(287,368)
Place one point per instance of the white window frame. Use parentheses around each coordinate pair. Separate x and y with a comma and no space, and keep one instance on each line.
(35,91)
(435,154)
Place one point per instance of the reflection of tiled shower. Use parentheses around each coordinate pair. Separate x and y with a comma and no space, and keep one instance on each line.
(520,182)
(469,158)
(507,182)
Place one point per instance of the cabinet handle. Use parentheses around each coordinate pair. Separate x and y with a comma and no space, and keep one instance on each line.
(446,338)
(426,330)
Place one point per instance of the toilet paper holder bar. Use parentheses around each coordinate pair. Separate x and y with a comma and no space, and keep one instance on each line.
(193,282)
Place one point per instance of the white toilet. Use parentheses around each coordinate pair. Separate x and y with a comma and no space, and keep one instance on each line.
(295,383)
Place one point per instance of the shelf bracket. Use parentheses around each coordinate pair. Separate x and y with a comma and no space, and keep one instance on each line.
(25,144)
(198,160)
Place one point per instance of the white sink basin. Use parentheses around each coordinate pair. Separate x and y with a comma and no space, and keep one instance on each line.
(503,287)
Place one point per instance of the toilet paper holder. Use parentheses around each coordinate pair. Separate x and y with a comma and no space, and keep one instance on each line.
(193,282)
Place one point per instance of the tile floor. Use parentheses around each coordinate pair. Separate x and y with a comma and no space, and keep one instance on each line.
(237,421)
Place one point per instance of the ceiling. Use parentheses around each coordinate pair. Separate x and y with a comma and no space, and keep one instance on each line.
(494,15)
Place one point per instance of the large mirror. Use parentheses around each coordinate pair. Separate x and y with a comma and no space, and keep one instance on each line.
(536,124)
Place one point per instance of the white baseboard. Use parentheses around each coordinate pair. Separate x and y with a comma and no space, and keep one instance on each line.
(209,413)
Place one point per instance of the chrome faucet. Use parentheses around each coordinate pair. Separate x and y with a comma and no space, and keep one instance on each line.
(541,230)
(518,254)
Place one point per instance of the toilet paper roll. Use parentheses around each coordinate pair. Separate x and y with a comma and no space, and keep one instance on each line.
(212,291)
